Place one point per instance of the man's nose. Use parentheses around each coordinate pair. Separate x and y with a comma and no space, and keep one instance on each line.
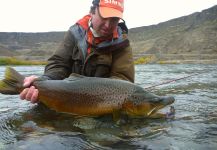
(107,23)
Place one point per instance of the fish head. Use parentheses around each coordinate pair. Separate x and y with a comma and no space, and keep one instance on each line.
(146,108)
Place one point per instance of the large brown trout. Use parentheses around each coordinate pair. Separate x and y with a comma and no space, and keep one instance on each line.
(89,96)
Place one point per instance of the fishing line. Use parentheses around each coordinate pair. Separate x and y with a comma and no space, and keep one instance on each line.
(174,80)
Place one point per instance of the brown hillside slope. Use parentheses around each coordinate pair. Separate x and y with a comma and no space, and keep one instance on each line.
(192,37)
(5,52)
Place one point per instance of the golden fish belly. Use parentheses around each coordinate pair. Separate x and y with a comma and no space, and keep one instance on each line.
(82,106)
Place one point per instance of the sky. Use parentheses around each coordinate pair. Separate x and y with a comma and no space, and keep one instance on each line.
(59,15)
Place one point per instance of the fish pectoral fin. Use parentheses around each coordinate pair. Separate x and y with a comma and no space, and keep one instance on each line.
(119,117)
(116,115)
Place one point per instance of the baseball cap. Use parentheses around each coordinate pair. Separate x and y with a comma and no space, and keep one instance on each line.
(111,8)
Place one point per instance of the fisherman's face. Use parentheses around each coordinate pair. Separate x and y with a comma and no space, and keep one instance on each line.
(104,26)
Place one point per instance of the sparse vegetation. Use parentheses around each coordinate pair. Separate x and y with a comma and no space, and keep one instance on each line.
(145,59)
(15,61)
(169,62)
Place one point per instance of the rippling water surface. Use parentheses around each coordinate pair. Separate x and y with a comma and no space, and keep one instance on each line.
(26,126)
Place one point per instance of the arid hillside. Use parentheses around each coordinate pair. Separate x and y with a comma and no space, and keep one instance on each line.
(188,39)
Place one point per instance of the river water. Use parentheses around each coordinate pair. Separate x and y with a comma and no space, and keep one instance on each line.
(26,126)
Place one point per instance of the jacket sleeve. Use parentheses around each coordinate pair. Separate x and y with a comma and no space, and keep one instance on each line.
(123,65)
(59,64)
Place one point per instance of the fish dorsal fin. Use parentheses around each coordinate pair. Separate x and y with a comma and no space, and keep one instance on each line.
(74,76)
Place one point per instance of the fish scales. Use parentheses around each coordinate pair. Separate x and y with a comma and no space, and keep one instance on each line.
(88,93)
(91,96)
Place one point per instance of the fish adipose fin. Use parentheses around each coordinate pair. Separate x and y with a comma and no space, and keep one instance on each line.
(12,83)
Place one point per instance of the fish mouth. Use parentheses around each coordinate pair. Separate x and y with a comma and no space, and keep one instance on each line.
(147,109)
(165,101)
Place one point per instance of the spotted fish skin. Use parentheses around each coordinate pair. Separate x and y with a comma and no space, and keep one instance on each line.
(89,96)
(85,96)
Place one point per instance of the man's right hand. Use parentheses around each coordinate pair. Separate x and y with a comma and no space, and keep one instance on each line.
(30,93)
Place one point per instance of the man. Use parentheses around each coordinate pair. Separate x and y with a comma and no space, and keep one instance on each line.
(96,46)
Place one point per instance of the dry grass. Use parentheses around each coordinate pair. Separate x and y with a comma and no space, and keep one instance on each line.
(15,61)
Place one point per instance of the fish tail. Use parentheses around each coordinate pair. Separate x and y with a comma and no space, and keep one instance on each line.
(12,83)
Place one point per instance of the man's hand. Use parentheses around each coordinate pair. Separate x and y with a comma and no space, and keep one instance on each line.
(30,93)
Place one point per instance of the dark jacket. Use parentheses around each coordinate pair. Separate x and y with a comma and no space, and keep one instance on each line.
(109,59)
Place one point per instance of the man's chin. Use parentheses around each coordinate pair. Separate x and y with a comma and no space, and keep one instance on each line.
(104,33)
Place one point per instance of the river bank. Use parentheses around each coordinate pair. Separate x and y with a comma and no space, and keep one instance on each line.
(175,59)
(17,61)
(146,59)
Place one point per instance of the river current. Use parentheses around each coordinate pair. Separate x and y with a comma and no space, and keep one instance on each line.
(26,126)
